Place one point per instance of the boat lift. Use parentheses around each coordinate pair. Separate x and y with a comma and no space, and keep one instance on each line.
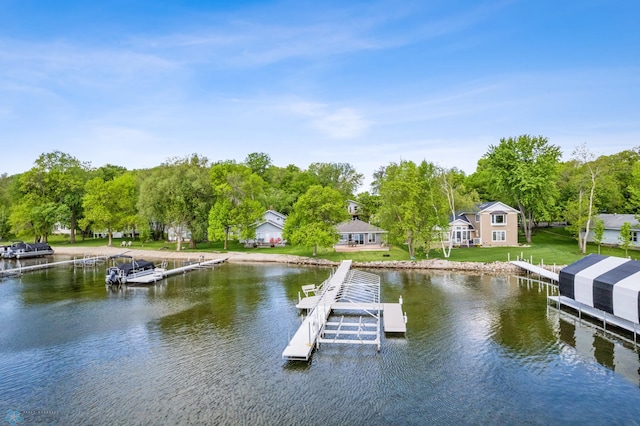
(345,310)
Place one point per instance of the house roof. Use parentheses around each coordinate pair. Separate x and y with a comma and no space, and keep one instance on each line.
(497,206)
(357,225)
(460,218)
(270,222)
(493,207)
(275,213)
(615,221)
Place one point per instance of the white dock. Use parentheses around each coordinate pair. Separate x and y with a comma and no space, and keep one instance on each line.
(394,321)
(77,262)
(161,273)
(553,276)
(302,343)
(347,310)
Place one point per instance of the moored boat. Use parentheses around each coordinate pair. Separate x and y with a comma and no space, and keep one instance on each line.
(22,250)
(125,268)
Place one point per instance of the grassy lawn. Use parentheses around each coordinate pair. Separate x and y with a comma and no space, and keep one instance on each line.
(549,245)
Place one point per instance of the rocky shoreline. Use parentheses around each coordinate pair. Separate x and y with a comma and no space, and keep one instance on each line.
(237,257)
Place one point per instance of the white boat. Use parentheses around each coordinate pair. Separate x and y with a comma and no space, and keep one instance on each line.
(124,268)
(22,250)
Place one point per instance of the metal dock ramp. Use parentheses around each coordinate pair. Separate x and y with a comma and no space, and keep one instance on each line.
(302,343)
(544,273)
(76,262)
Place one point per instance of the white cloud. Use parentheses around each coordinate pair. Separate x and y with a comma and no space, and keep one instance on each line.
(335,123)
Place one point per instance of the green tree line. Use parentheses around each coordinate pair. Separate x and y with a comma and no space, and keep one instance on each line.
(222,200)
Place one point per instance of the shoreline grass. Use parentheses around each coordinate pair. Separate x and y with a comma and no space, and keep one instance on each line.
(549,246)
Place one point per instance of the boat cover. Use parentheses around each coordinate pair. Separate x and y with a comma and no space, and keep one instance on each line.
(40,246)
(608,283)
(140,265)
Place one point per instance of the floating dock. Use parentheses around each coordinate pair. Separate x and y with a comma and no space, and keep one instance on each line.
(161,273)
(346,309)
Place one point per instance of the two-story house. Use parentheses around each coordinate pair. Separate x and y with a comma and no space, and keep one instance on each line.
(269,230)
(489,224)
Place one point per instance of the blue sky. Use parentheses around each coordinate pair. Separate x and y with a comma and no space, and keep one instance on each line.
(363,82)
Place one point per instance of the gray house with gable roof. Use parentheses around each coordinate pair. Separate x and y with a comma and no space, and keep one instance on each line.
(612,225)
(357,233)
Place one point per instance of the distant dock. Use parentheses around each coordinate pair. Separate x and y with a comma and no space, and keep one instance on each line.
(85,261)
(161,273)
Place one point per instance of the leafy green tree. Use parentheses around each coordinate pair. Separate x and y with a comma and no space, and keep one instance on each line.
(369,206)
(178,193)
(625,237)
(314,218)
(110,205)
(587,179)
(413,207)
(339,176)
(634,189)
(190,196)
(598,233)
(259,163)
(458,198)
(525,170)
(481,181)
(6,201)
(237,207)
(152,204)
(53,189)
(284,185)
(108,172)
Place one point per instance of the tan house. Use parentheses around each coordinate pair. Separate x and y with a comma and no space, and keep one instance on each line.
(491,224)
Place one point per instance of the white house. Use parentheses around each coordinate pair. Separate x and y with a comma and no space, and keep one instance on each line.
(612,225)
(269,231)
(173,232)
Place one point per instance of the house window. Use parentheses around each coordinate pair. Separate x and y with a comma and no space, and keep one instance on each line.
(477,217)
(498,219)
(372,238)
(634,236)
(498,235)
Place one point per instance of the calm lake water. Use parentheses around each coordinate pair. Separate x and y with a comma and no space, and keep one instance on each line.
(205,348)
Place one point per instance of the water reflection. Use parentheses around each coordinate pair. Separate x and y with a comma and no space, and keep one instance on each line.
(608,350)
(205,348)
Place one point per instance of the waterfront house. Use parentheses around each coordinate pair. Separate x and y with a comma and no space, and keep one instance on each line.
(359,234)
(269,230)
(612,225)
(490,224)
